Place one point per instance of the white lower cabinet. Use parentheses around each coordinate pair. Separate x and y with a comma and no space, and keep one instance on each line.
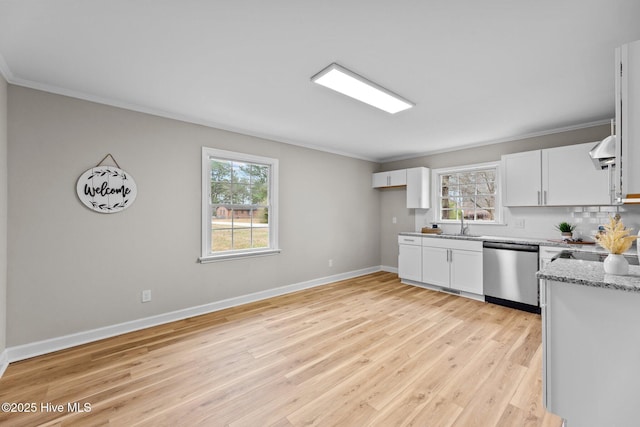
(410,258)
(436,269)
(454,264)
(466,271)
(591,354)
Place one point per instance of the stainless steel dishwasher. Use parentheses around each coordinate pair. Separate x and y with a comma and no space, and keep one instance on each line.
(509,275)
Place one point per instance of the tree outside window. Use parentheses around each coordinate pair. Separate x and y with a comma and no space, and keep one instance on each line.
(470,194)
(239,205)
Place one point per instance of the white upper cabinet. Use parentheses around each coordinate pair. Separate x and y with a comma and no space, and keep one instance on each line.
(561,176)
(415,179)
(418,188)
(628,116)
(570,178)
(396,178)
(522,185)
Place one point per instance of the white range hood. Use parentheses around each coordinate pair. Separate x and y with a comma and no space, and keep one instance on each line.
(603,153)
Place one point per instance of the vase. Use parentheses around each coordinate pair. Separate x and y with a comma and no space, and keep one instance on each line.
(567,235)
(616,264)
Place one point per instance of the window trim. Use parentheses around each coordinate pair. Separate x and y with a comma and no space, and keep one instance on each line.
(206,254)
(435,179)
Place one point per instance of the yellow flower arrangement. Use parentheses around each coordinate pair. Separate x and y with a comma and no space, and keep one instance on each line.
(616,237)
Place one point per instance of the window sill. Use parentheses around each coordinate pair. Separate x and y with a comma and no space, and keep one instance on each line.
(237,255)
(457,221)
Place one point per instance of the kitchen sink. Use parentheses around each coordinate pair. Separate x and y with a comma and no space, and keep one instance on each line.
(462,235)
(488,237)
(515,239)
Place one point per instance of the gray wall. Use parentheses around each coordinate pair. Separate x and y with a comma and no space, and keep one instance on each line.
(393,205)
(72,270)
(3,212)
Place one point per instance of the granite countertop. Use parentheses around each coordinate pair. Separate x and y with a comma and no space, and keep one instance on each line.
(590,273)
(508,239)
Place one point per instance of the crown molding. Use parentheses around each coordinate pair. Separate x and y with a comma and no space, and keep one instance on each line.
(171,115)
(5,71)
(499,141)
(11,79)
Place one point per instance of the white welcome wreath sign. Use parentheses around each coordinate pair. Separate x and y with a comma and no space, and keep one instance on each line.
(106,189)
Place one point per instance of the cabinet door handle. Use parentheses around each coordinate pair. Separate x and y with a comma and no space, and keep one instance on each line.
(544,197)
(539,200)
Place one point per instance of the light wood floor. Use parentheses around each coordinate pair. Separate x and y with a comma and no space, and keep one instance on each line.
(363,352)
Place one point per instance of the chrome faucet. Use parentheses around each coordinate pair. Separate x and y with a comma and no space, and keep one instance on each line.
(463,229)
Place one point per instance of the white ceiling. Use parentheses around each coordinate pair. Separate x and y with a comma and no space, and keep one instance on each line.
(478,71)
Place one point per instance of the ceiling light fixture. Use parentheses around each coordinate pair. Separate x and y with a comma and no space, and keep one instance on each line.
(351,84)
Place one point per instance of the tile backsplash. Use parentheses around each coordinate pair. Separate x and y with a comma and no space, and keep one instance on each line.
(540,222)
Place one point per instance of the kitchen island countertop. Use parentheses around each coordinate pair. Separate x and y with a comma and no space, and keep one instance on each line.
(590,273)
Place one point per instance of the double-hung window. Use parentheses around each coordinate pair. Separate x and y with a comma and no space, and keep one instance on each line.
(471,192)
(239,205)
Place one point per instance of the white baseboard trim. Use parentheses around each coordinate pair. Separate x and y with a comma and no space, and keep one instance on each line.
(4,361)
(389,269)
(25,351)
(444,290)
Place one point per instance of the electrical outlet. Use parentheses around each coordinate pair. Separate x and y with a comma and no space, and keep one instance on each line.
(146,295)
(394,220)
(519,223)
(330,263)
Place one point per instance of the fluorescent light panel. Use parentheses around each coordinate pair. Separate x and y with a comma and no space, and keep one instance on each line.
(351,84)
